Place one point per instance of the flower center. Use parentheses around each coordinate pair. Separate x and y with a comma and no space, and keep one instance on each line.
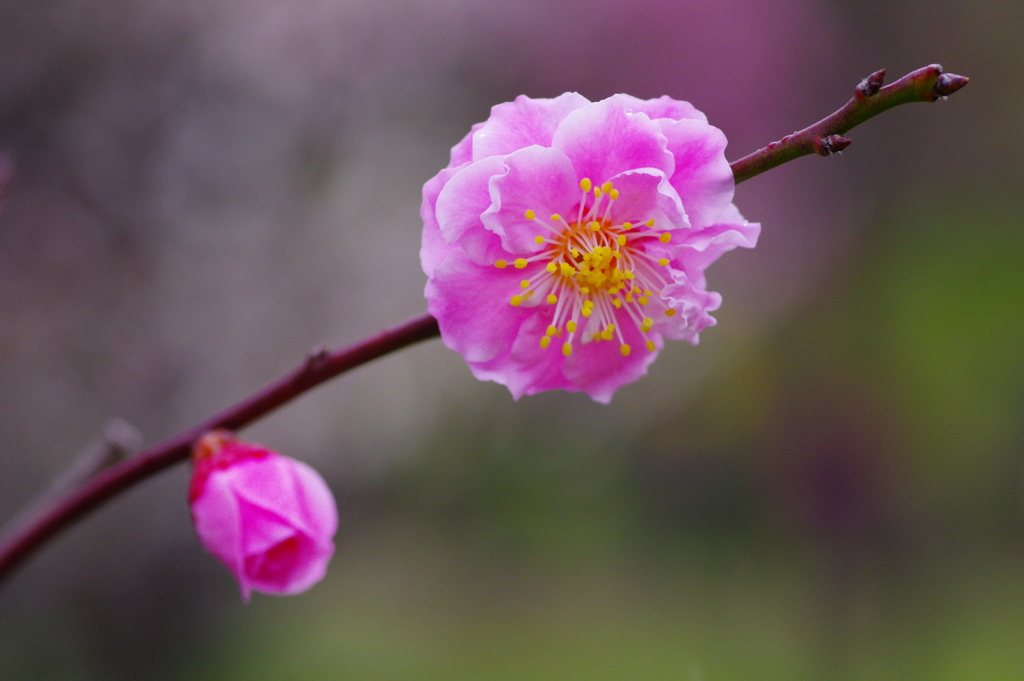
(599,273)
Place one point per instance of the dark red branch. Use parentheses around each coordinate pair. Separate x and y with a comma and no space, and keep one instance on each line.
(319,366)
(869,99)
(825,137)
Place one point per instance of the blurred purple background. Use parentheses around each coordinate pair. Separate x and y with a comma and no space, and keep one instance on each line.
(193,194)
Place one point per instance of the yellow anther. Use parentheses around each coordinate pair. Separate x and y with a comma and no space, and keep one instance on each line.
(670,312)
(588,303)
(650,223)
(525,283)
(516,301)
(571,327)
(665,237)
(607,187)
(545,341)
(500,264)
(556,217)
(610,327)
(529,294)
(586,312)
(646,326)
(629,275)
(520,263)
(585,184)
(552,330)
(637,289)
(622,240)
(566,349)
(629,297)
(552,298)
(642,300)
(627,226)
(617,303)
(552,267)
(538,239)
(597,192)
(616,254)
(606,334)
(663,262)
(595,225)
(647,293)
(567,269)
(585,290)
(650,345)
(575,252)
(530,215)
(625,350)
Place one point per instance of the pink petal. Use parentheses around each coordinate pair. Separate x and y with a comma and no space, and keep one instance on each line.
(434,249)
(644,194)
(701,247)
(602,140)
(664,107)
(536,178)
(217,522)
(463,151)
(471,304)
(522,123)
(459,206)
(702,175)
(600,369)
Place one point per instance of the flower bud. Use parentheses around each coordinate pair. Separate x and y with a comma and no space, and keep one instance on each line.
(269,518)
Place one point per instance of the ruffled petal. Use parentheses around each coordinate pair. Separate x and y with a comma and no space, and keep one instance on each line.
(701,247)
(523,123)
(702,175)
(527,368)
(645,194)
(600,368)
(692,304)
(434,249)
(664,107)
(471,305)
(459,206)
(603,140)
(463,151)
(536,178)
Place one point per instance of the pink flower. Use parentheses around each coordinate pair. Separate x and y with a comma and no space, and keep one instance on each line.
(269,518)
(567,238)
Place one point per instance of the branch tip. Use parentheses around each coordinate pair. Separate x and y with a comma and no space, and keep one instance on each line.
(949,83)
(872,84)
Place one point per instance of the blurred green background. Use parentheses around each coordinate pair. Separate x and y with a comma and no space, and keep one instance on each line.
(831,486)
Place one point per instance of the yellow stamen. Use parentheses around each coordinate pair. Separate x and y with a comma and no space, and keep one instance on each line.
(586,312)
(556,217)
(665,238)
(585,184)
(596,226)
(500,264)
(627,226)
(538,239)
(622,240)
(650,223)
(617,303)
(663,262)
(614,194)
(642,300)
(516,301)
(571,327)
(552,330)
(545,341)
(606,334)
(525,283)
(520,263)
(606,187)
(625,350)
(670,312)
(552,298)
(566,349)
(567,269)
(650,345)
(530,215)
(552,267)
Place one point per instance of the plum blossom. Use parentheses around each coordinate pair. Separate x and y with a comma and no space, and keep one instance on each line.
(269,518)
(567,238)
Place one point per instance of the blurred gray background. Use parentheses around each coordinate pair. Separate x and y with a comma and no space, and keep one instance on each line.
(830,486)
